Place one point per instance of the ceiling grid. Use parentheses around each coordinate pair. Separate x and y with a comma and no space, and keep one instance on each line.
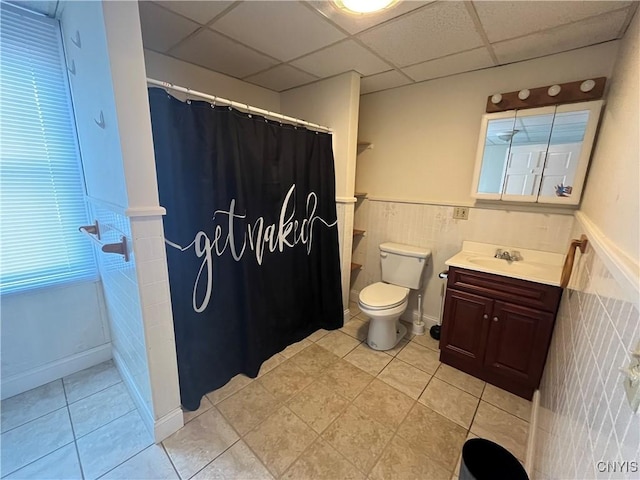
(283,45)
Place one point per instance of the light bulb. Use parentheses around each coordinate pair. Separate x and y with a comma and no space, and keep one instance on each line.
(497,98)
(524,94)
(364,6)
(587,86)
(554,90)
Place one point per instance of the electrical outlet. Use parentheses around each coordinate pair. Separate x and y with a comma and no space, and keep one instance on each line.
(461,213)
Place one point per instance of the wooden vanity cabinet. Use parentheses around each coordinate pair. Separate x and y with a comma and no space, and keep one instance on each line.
(498,328)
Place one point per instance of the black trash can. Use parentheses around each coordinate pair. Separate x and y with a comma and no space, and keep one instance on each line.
(484,460)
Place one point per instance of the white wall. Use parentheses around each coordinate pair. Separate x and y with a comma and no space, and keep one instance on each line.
(168,69)
(128,78)
(137,291)
(334,103)
(582,399)
(611,193)
(425,135)
(92,93)
(52,332)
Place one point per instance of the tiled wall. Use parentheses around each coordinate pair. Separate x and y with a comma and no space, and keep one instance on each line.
(151,265)
(141,320)
(433,226)
(584,415)
(120,283)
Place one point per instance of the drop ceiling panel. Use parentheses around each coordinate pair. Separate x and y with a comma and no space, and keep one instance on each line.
(357,23)
(587,32)
(450,65)
(284,30)
(161,29)
(281,78)
(504,20)
(215,52)
(201,12)
(434,31)
(342,57)
(413,41)
(383,81)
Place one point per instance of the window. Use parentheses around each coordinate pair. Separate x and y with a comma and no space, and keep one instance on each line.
(41,187)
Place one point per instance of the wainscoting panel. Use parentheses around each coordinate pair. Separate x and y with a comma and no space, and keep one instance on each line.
(433,226)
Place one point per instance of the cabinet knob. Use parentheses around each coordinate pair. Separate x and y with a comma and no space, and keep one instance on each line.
(485,316)
(495,319)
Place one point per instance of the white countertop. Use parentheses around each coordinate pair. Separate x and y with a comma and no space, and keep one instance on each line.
(535,266)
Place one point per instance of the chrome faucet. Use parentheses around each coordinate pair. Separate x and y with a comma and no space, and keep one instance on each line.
(513,256)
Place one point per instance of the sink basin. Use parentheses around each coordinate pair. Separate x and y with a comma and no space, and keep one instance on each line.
(536,266)
(498,264)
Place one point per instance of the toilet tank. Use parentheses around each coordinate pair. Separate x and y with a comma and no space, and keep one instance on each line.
(403,264)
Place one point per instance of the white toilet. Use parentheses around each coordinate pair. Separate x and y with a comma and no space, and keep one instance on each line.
(384,302)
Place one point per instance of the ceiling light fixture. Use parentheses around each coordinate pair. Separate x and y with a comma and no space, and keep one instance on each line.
(507,136)
(364,6)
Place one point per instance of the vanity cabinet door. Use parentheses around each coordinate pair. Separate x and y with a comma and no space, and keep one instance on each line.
(464,328)
(517,344)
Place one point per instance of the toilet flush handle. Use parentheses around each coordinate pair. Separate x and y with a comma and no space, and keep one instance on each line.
(383,254)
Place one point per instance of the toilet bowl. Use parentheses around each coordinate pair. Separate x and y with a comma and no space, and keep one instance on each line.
(383,303)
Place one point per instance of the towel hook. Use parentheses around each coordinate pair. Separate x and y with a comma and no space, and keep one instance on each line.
(76,40)
(100,122)
(72,68)
(91,229)
(568,261)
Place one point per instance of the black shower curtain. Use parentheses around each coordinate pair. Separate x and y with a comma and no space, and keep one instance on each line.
(251,233)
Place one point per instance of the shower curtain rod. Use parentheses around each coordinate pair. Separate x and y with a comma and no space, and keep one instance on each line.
(243,106)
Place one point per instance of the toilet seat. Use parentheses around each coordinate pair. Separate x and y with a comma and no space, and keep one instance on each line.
(382,296)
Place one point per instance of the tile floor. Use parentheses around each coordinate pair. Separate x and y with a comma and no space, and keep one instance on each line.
(327,407)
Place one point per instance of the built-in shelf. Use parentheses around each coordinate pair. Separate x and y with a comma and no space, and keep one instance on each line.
(360,196)
(362,146)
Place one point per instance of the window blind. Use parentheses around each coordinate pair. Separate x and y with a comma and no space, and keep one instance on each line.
(41,186)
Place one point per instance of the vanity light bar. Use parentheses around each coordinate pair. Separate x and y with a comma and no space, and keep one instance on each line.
(580,91)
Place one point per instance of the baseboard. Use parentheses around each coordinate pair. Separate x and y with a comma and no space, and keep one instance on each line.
(136,396)
(531,438)
(347,316)
(159,429)
(44,374)
(167,425)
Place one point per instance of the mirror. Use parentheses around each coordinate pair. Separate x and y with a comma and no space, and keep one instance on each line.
(536,155)
(563,153)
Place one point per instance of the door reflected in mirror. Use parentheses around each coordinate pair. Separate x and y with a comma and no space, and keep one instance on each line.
(563,154)
(526,157)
